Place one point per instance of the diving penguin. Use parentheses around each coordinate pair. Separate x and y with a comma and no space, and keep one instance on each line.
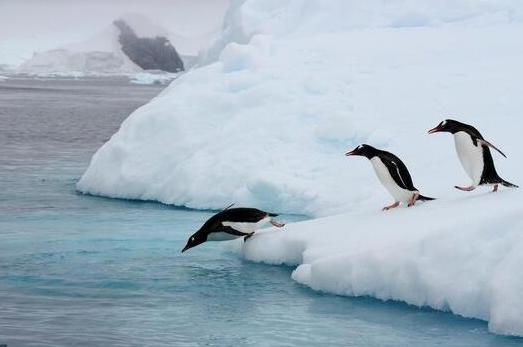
(393,174)
(474,154)
(230,224)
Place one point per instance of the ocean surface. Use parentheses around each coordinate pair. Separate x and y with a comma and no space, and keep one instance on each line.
(79,270)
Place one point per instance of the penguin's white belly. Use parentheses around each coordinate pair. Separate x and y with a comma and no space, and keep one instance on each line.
(221,236)
(470,156)
(247,227)
(398,193)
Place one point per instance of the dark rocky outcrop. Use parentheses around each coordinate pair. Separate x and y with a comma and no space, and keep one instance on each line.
(149,53)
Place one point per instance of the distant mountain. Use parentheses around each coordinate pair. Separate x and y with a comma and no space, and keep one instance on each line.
(130,44)
(149,53)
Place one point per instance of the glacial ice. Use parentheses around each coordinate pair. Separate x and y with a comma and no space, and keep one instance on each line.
(288,87)
(101,54)
(267,124)
(461,255)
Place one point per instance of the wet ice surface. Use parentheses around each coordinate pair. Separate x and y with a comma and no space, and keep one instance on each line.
(88,271)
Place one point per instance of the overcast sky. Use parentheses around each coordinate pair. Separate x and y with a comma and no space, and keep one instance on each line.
(27,25)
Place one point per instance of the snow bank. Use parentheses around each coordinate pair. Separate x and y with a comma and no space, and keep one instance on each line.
(462,255)
(296,83)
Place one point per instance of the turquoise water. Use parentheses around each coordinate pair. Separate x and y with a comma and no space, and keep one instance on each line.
(78,270)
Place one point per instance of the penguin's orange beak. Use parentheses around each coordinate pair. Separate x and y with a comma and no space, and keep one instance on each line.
(434,130)
(350,153)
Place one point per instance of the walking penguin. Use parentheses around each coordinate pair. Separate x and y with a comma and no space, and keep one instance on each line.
(393,174)
(474,154)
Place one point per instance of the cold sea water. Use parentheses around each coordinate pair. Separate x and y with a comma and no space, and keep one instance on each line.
(79,270)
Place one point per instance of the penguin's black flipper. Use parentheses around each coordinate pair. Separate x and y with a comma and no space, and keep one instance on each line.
(397,169)
(228,207)
(488,144)
(232,231)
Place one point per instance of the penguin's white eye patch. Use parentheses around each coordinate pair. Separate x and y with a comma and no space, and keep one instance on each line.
(444,122)
(360,147)
(192,238)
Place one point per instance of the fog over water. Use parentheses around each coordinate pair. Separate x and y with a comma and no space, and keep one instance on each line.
(31,25)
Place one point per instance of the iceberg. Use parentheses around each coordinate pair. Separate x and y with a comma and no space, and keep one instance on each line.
(152,77)
(288,87)
(294,84)
(131,44)
(461,255)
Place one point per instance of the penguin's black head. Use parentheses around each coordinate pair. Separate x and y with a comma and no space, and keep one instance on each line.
(197,238)
(364,151)
(447,126)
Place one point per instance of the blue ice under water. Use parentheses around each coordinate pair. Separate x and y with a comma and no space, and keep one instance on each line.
(78,270)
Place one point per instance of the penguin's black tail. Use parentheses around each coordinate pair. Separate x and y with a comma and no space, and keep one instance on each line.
(425,198)
(508,184)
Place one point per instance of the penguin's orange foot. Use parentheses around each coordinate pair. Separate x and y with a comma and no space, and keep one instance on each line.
(466,189)
(495,188)
(245,238)
(394,205)
(413,199)
(276,224)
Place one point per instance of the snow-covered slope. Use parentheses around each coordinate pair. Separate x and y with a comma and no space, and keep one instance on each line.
(267,124)
(289,87)
(101,53)
(39,26)
(462,255)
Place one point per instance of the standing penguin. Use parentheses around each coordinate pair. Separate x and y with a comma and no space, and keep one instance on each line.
(474,154)
(230,224)
(393,174)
